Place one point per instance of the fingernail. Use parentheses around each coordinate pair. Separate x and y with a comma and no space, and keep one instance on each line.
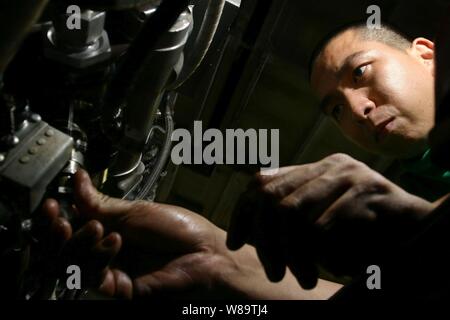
(141,289)
(110,241)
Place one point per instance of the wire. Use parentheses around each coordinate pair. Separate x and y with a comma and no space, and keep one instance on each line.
(202,43)
(156,25)
(164,154)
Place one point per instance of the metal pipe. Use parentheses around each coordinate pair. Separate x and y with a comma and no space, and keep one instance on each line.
(147,40)
(165,151)
(145,95)
(203,41)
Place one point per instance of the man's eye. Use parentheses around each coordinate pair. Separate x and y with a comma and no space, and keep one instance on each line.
(336,111)
(359,72)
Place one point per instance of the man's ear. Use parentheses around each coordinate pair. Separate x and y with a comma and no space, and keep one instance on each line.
(423,49)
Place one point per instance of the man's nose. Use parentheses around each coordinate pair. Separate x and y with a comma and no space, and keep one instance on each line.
(360,107)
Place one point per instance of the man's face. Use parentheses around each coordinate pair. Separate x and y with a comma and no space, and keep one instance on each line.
(381,98)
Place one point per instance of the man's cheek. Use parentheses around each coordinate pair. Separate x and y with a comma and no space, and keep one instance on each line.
(361,139)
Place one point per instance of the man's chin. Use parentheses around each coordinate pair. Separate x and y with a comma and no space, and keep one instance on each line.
(399,148)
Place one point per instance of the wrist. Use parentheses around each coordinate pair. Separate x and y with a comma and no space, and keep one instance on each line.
(232,270)
(240,274)
(440,201)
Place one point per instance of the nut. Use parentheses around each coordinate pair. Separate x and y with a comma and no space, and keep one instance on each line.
(91,28)
(79,48)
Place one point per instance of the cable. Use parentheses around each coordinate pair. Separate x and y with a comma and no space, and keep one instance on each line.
(202,42)
(156,25)
(164,154)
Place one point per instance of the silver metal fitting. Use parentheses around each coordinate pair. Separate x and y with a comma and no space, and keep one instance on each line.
(81,47)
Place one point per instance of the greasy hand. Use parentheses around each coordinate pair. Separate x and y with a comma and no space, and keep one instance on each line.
(167,250)
(58,246)
(337,212)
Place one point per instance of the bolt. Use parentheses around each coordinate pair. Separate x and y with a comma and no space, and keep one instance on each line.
(11,140)
(92,26)
(34,117)
(24,159)
(27,225)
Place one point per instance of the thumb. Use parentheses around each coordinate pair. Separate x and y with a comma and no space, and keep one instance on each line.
(161,283)
(92,204)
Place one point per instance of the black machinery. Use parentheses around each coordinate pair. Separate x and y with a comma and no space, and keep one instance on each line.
(88,84)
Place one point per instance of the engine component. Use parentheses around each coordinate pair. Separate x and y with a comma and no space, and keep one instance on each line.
(111,4)
(202,42)
(143,99)
(27,168)
(104,95)
(82,47)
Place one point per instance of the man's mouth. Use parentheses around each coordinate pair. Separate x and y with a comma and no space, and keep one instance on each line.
(383,129)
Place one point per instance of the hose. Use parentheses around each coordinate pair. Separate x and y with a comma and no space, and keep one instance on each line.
(202,43)
(164,154)
(163,19)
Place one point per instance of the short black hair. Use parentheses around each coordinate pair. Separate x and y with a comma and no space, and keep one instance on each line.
(386,33)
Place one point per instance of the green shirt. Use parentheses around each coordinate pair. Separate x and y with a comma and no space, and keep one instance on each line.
(424,179)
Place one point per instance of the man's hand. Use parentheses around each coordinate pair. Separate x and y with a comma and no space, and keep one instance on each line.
(337,212)
(172,252)
(167,250)
(31,271)
(58,246)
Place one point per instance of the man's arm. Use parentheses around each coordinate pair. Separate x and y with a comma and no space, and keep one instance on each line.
(336,212)
(440,201)
(177,253)
(248,279)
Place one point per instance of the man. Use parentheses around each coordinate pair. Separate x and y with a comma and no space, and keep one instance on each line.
(385,102)
(336,212)
(379,89)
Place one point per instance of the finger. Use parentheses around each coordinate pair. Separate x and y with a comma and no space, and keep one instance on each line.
(117,284)
(301,261)
(241,221)
(267,240)
(300,250)
(306,273)
(303,207)
(123,285)
(286,183)
(306,208)
(161,283)
(50,210)
(44,219)
(88,235)
(266,178)
(81,244)
(93,204)
(349,223)
(108,286)
(62,232)
(96,261)
(260,180)
(314,197)
(51,230)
